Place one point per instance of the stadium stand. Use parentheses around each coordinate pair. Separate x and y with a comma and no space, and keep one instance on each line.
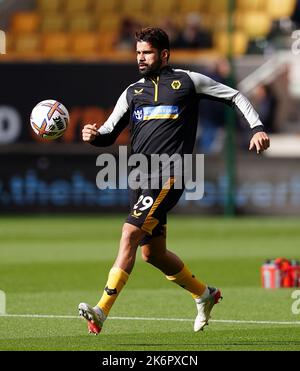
(102,20)
(46,6)
(131,7)
(254,23)
(81,22)
(76,6)
(56,45)
(85,43)
(249,5)
(111,23)
(104,8)
(216,7)
(25,22)
(190,6)
(54,22)
(239,42)
(26,45)
(163,7)
(280,9)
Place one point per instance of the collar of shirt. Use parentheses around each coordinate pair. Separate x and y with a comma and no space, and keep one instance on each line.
(164,70)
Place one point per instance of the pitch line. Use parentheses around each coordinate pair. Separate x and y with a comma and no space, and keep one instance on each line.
(155,319)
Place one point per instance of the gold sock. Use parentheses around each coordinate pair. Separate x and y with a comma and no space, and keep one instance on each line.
(116,280)
(189,282)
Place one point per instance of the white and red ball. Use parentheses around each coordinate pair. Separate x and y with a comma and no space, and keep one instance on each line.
(49,119)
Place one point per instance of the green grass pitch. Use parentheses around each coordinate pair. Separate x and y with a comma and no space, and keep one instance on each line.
(50,264)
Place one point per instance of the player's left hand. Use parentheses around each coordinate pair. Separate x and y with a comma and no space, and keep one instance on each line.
(260,141)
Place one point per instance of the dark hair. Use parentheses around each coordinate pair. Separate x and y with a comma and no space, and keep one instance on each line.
(154,36)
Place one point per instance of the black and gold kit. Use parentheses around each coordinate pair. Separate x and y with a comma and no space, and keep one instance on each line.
(162,112)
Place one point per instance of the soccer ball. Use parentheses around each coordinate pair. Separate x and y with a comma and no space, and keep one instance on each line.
(49,119)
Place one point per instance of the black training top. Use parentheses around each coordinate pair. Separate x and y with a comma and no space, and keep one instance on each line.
(162,111)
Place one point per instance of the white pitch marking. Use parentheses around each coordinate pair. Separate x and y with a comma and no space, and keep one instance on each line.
(2,302)
(155,319)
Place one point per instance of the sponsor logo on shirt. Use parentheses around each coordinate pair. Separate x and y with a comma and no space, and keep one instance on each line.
(156,113)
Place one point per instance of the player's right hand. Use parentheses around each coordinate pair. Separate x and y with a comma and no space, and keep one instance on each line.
(89,132)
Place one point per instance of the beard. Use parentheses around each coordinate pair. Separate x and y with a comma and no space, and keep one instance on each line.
(149,71)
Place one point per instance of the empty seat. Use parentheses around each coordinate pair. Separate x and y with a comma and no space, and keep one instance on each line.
(246,5)
(188,6)
(107,40)
(163,8)
(239,43)
(26,44)
(54,22)
(85,43)
(219,6)
(104,6)
(73,6)
(255,24)
(109,23)
(25,22)
(55,44)
(129,7)
(45,6)
(280,8)
(82,22)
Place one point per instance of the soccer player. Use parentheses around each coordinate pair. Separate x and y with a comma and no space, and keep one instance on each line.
(162,110)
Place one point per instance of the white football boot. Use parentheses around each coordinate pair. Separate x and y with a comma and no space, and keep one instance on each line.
(94,315)
(205,306)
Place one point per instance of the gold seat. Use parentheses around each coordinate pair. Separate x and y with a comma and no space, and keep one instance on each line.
(246,5)
(219,6)
(46,6)
(280,8)
(55,44)
(103,7)
(54,22)
(85,44)
(130,7)
(254,24)
(239,43)
(81,22)
(73,6)
(188,6)
(26,44)
(108,40)
(25,22)
(162,8)
(109,23)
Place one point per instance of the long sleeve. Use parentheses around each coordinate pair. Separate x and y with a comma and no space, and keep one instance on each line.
(117,121)
(212,89)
